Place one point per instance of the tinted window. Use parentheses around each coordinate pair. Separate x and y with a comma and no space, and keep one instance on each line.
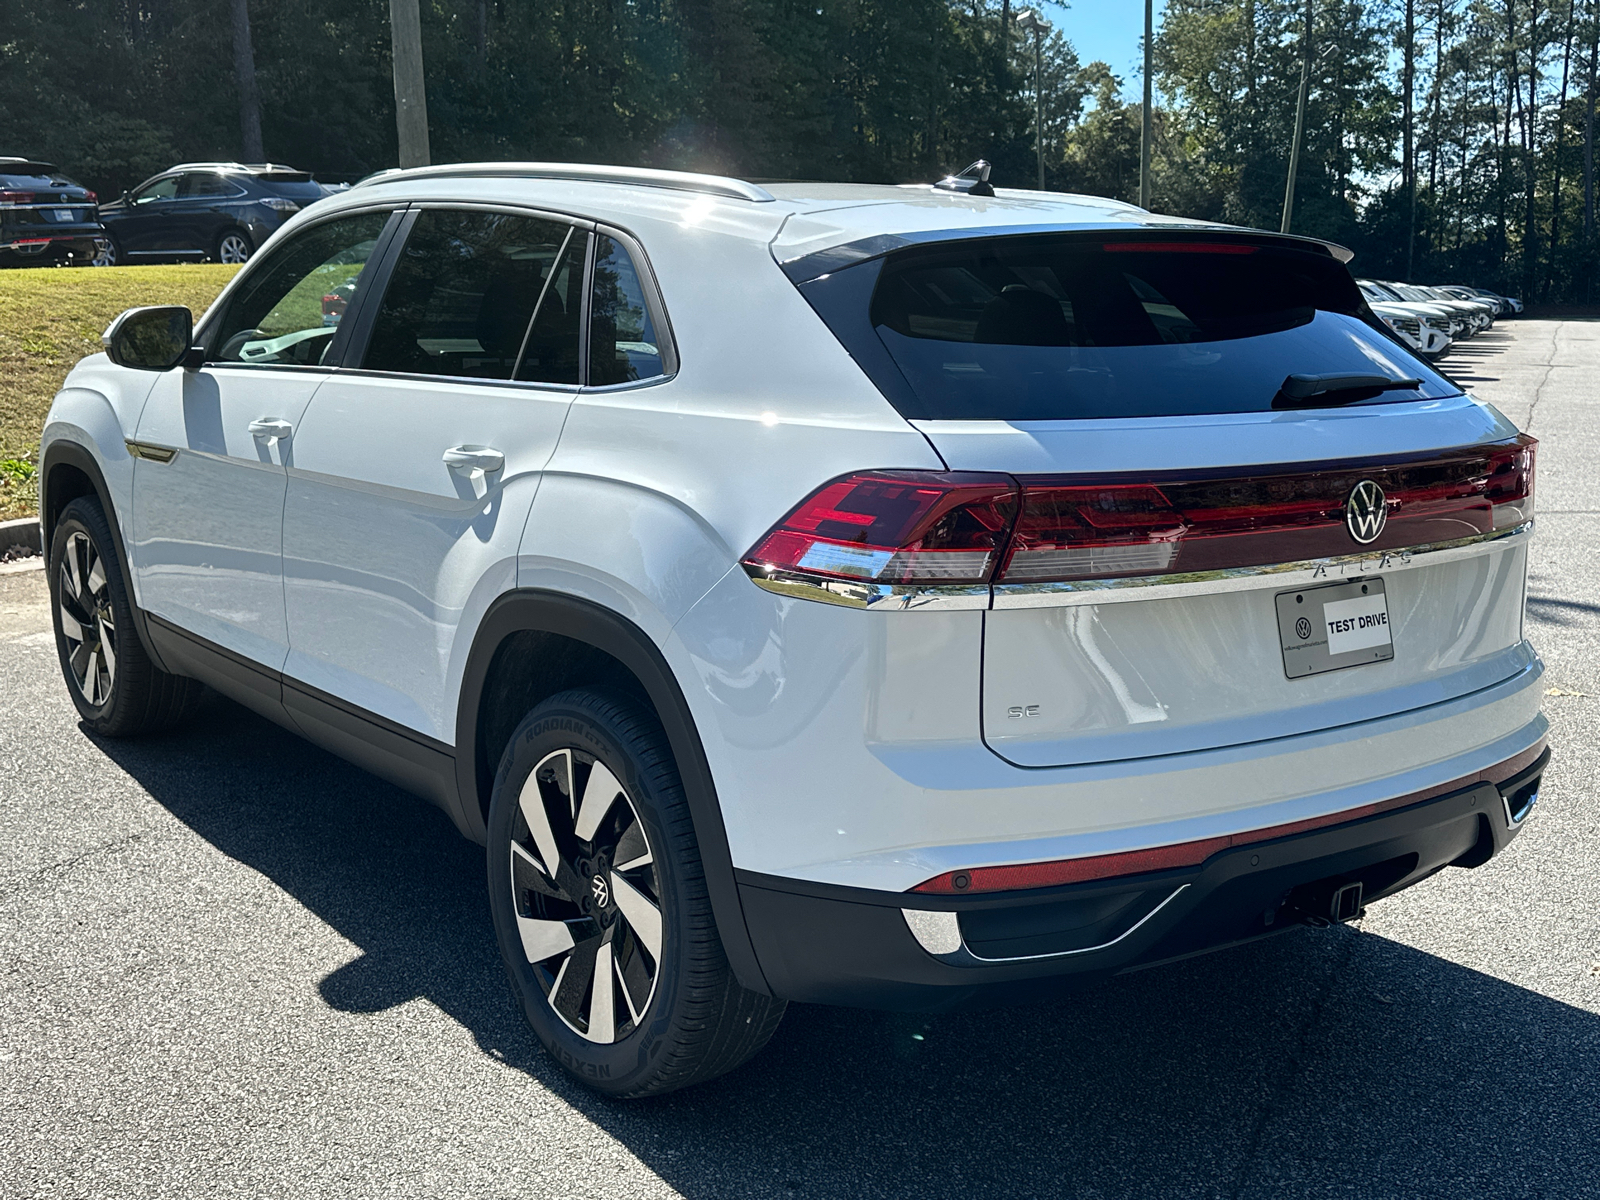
(551,355)
(1051,328)
(622,337)
(207,185)
(288,308)
(463,293)
(161,189)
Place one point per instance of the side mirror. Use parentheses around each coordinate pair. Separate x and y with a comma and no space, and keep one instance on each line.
(150,339)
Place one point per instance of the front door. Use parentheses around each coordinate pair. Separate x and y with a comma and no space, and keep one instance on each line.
(212,445)
(413,476)
(141,228)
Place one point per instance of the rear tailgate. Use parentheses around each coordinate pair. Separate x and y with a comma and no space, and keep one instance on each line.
(1242,510)
(1127,665)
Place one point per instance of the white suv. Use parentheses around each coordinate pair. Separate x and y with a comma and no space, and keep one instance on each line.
(893,596)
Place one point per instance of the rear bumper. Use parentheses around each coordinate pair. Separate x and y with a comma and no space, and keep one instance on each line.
(77,241)
(837,945)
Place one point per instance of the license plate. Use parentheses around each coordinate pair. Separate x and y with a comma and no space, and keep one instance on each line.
(1332,626)
(58,214)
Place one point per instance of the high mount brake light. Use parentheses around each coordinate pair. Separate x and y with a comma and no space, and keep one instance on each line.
(895,527)
(1178,248)
(963,528)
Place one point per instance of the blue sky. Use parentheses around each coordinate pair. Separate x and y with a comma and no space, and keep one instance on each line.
(1105,29)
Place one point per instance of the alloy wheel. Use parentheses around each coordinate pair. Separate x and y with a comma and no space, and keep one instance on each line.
(586,895)
(88,622)
(233,248)
(105,254)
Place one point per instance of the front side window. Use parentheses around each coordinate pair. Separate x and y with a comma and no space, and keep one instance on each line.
(463,295)
(160,189)
(287,310)
(622,336)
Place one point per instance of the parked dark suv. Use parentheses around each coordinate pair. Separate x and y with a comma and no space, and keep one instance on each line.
(221,211)
(44,216)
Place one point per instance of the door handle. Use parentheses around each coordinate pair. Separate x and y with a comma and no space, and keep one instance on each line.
(270,429)
(467,459)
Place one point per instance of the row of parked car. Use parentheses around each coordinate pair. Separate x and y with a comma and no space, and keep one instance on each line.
(1432,319)
(217,210)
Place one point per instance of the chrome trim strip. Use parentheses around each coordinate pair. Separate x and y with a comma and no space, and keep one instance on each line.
(1246,579)
(149,450)
(899,598)
(882,597)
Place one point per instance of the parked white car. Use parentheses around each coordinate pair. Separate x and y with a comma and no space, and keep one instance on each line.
(1447,321)
(894,596)
(1411,328)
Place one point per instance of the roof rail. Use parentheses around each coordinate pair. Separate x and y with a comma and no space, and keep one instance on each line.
(232,166)
(683,181)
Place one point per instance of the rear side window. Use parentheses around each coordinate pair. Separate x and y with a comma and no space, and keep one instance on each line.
(207,185)
(463,295)
(622,335)
(1060,328)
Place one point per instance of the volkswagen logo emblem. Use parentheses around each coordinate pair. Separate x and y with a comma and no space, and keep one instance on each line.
(602,894)
(1366,513)
(1302,629)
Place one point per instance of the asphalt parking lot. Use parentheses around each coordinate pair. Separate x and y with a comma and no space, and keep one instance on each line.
(231,965)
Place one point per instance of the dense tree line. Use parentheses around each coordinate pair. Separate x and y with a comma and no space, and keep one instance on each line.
(1444,138)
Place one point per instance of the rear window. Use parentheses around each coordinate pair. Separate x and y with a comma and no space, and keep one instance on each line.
(294,187)
(1062,328)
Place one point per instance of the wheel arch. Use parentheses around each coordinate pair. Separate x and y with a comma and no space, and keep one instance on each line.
(532,644)
(69,471)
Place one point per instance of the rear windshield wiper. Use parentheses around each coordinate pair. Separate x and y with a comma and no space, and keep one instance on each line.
(1325,391)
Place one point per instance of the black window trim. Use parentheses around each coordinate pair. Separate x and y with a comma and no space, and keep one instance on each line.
(207,327)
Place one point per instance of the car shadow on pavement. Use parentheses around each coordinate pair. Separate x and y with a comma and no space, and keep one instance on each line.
(1320,1062)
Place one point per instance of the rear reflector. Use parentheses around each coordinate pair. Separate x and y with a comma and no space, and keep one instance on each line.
(929,528)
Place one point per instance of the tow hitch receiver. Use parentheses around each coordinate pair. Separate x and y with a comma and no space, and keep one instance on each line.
(1327,903)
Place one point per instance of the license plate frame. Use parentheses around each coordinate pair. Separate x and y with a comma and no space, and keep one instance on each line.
(1306,650)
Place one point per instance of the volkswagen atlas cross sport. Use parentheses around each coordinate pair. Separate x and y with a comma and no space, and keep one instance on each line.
(909,597)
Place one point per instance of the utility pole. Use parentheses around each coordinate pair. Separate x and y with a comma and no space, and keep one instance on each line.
(1029,19)
(1299,122)
(1146,123)
(1408,154)
(244,74)
(410,98)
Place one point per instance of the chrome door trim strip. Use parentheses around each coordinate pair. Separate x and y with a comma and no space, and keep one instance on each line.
(882,597)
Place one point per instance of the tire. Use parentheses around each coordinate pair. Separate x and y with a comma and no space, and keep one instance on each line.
(645,1029)
(233,246)
(118,691)
(111,256)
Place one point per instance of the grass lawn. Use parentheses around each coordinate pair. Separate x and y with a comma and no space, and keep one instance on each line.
(52,317)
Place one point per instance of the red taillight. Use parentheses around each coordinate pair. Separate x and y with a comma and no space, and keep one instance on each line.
(899,527)
(910,527)
(12,197)
(91,197)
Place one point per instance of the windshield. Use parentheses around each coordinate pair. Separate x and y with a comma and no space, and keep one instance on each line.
(1058,327)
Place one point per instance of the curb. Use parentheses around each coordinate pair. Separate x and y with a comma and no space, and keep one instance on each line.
(20,533)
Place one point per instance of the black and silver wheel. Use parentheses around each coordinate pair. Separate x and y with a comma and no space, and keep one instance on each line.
(234,247)
(117,690)
(586,894)
(88,623)
(600,905)
(106,253)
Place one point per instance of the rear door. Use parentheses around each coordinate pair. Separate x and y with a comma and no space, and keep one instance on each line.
(1246,512)
(414,474)
(202,211)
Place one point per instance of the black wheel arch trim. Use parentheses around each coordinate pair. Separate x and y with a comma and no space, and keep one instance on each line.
(77,456)
(530,610)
